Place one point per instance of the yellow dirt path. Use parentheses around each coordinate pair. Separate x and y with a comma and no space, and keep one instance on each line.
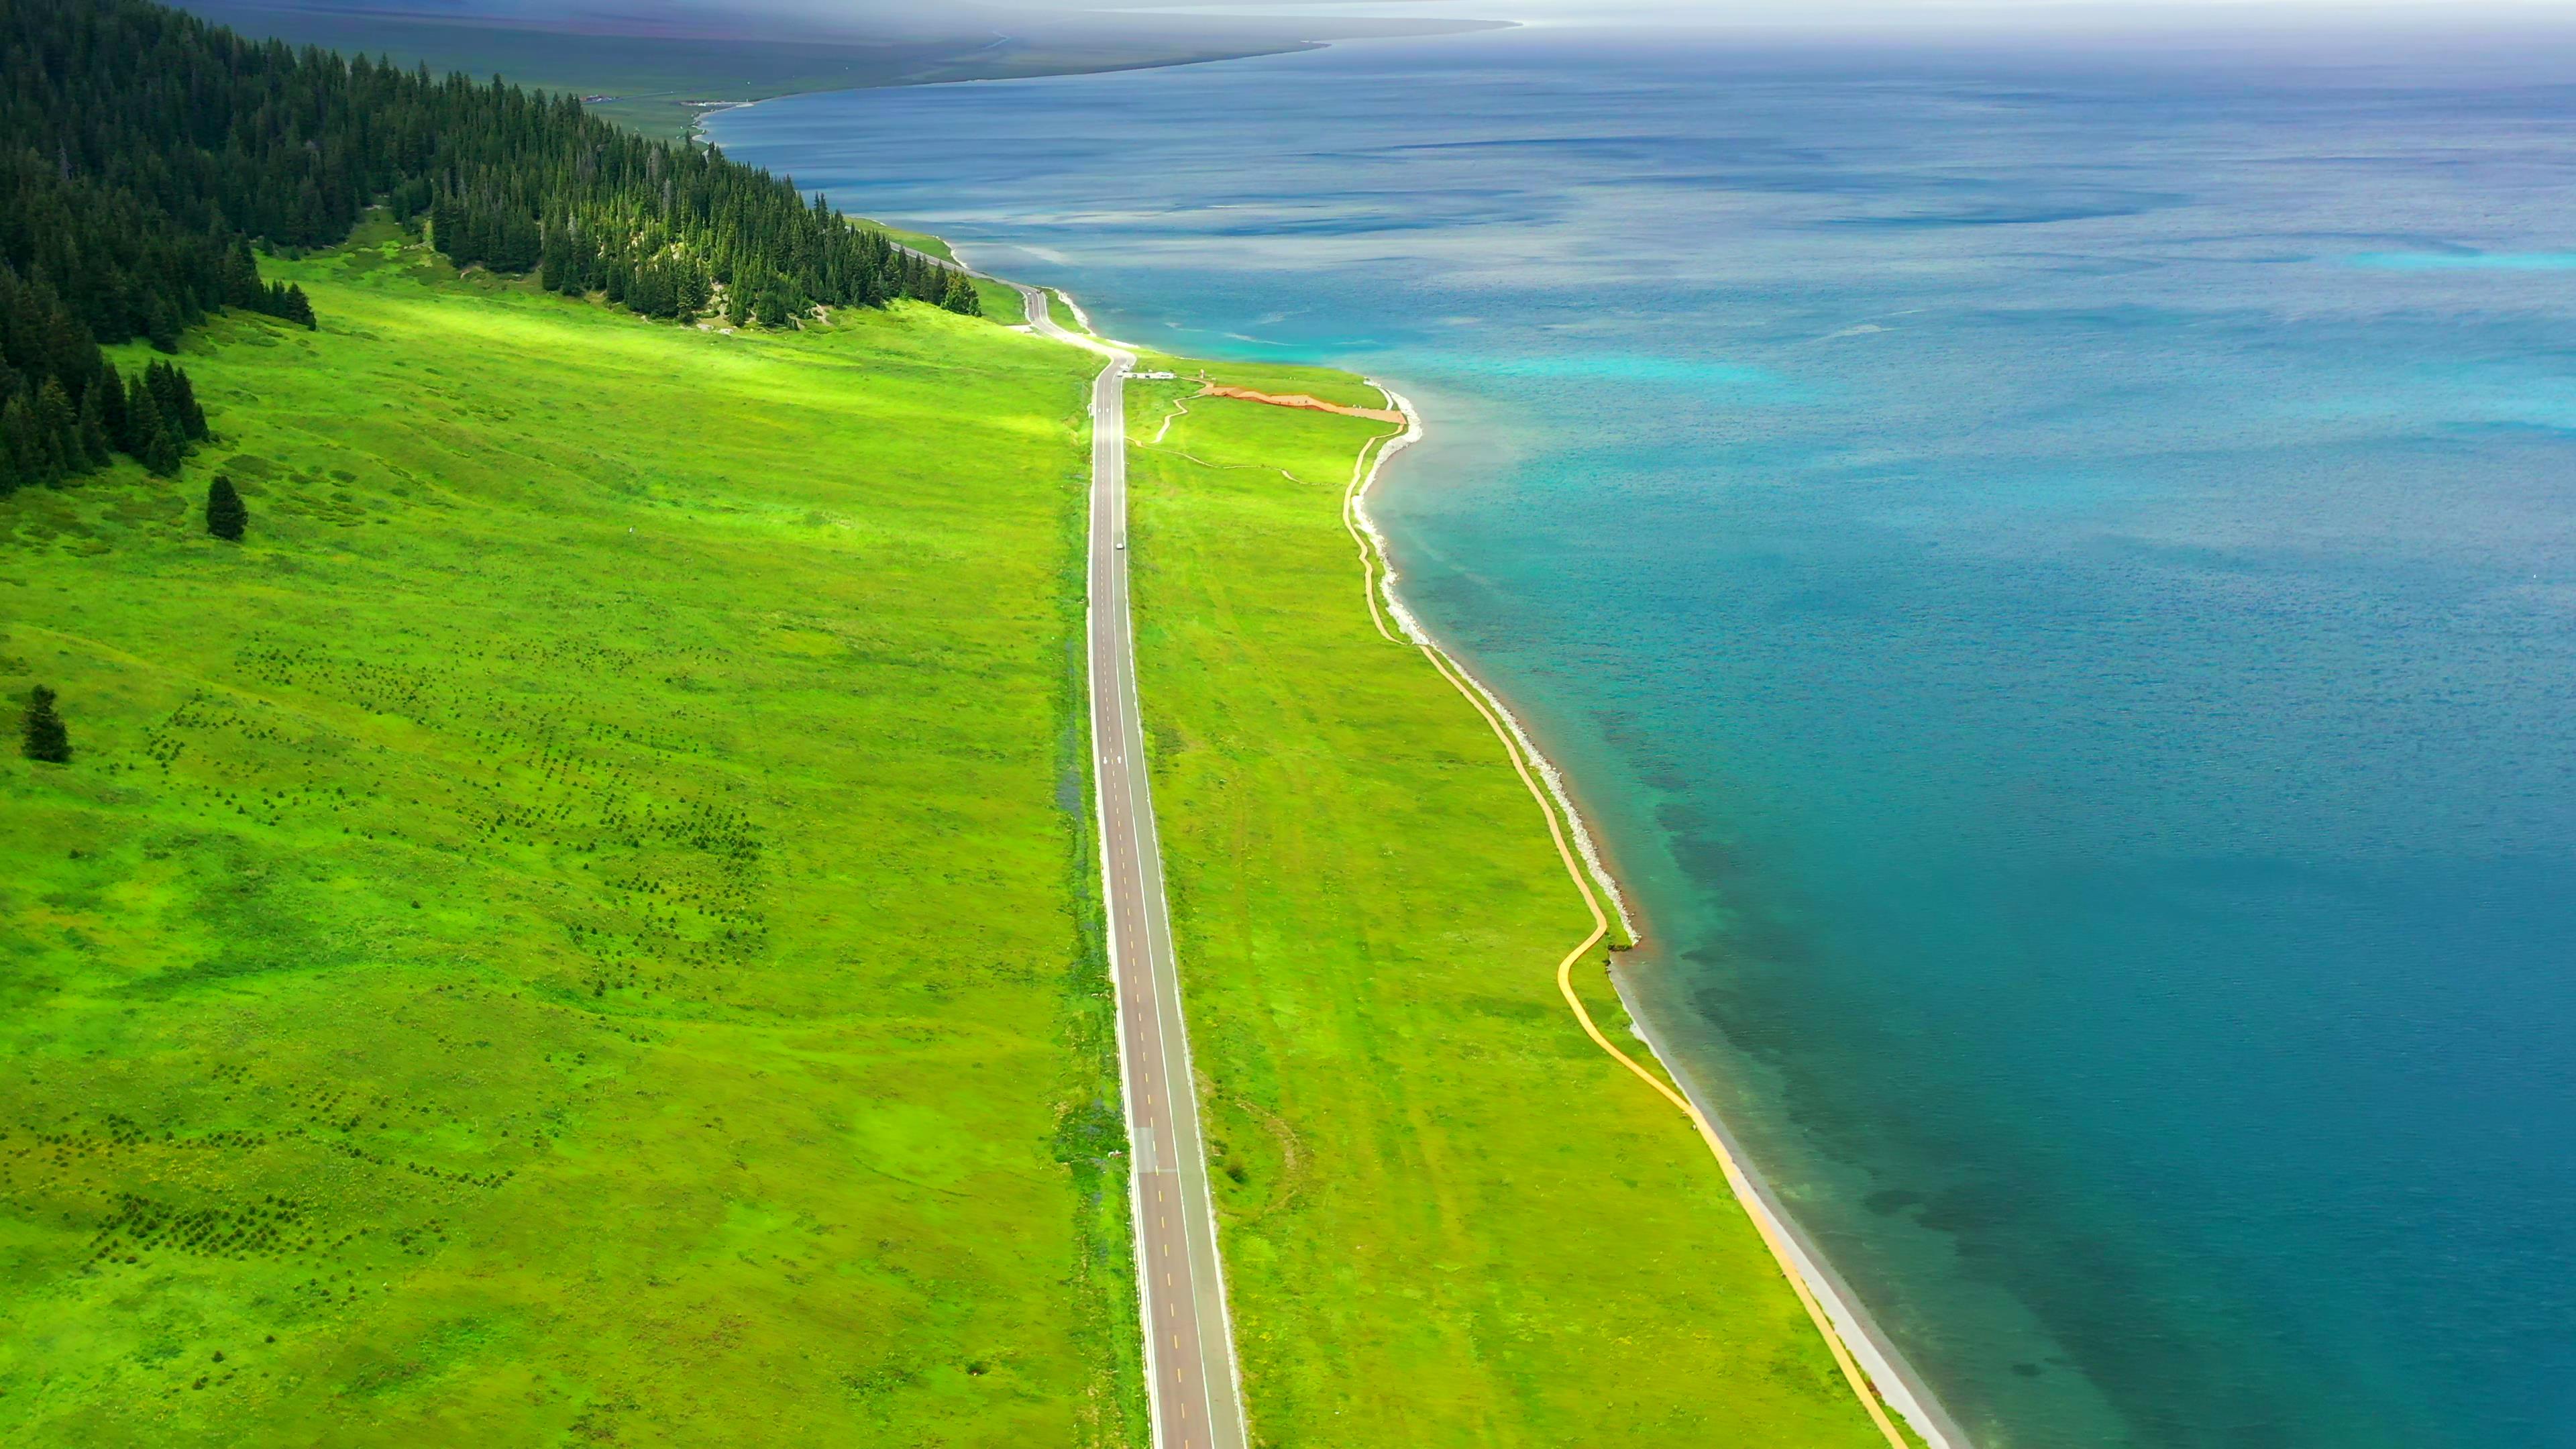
(1299,400)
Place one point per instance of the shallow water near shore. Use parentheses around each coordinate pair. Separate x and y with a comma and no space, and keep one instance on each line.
(2056,582)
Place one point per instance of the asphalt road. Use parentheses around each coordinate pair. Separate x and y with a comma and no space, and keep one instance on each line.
(1190,1369)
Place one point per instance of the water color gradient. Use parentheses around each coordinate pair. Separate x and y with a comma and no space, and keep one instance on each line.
(2055,575)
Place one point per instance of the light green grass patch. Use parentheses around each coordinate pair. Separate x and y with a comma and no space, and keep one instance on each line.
(1002,303)
(1063,314)
(577,929)
(920,241)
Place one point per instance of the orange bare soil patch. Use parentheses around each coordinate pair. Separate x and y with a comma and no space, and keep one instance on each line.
(1300,400)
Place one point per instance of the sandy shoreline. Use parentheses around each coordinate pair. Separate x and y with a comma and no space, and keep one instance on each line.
(1897,1381)
(1413,630)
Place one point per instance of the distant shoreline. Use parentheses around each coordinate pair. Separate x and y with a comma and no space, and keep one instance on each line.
(652,83)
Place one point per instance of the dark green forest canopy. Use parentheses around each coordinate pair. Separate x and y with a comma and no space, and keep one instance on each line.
(144,151)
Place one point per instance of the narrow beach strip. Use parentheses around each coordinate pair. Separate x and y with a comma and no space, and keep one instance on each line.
(1877,1373)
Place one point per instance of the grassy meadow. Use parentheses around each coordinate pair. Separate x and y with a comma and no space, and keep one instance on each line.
(580,928)
(1448,1218)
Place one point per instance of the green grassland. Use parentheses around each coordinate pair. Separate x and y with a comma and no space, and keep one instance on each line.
(580,928)
(1001,302)
(1448,1218)
(920,241)
(1061,312)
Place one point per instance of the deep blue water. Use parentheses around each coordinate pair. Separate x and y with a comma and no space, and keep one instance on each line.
(2056,574)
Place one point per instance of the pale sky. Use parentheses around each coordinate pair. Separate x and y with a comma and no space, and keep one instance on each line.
(1795,12)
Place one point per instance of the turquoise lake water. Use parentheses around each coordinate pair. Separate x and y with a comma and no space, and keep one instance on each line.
(2056,577)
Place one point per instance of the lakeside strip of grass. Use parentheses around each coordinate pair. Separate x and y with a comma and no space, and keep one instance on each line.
(1448,1217)
(583,925)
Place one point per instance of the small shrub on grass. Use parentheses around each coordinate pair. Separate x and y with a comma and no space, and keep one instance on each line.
(226,514)
(45,737)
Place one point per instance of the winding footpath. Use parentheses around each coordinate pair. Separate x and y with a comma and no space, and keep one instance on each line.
(1190,1370)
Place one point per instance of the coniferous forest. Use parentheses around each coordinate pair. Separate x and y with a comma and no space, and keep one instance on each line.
(145,154)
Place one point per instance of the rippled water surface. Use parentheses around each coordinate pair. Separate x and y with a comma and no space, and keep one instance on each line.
(2058,580)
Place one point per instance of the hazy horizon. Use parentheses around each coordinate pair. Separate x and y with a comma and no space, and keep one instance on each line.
(1863,21)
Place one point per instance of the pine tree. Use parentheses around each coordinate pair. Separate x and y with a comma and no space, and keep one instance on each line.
(226,514)
(93,419)
(142,418)
(17,468)
(31,451)
(160,326)
(962,298)
(241,285)
(190,417)
(109,389)
(154,156)
(150,438)
(45,738)
(555,266)
(162,455)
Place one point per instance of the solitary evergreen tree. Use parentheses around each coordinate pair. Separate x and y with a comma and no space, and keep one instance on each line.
(962,297)
(45,738)
(226,515)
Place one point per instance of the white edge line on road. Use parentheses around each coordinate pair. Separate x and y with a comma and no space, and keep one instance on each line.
(1109,927)
(1158,909)
(1155,909)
